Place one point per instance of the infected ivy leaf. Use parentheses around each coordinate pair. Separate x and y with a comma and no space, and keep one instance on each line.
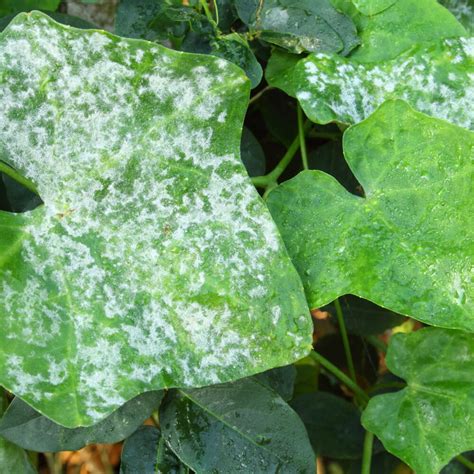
(436,79)
(238,427)
(432,419)
(404,24)
(299,25)
(406,245)
(153,262)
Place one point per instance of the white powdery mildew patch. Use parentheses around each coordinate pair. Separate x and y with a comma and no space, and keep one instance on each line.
(152,250)
(435,79)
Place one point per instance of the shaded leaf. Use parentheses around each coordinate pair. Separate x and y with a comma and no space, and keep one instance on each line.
(239,427)
(394,30)
(125,280)
(59,17)
(252,154)
(405,246)
(280,379)
(146,453)
(435,79)
(333,425)
(8,7)
(20,198)
(299,25)
(432,420)
(29,429)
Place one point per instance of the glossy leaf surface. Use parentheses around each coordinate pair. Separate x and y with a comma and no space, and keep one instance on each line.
(238,427)
(435,78)
(406,245)
(432,419)
(27,428)
(146,453)
(300,25)
(126,279)
(401,26)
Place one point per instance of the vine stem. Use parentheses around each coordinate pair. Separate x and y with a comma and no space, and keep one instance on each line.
(341,376)
(270,179)
(9,171)
(367,452)
(207,11)
(302,139)
(259,94)
(345,339)
(465,462)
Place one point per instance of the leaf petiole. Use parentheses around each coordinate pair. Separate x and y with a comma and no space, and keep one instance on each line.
(465,462)
(361,395)
(9,171)
(367,452)
(345,339)
(301,135)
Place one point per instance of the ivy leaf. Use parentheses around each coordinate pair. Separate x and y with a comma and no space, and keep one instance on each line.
(12,457)
(237,427)
(300,25)
(333,425)
(252,154)
(27,428)
(404,24)
(153,262)
(280,379)
(463,10)
(372,7)
(146,452)
(14,6)
(436,79)
(406,245)
(432,419)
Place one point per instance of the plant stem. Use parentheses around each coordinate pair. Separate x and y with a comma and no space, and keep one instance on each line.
(207,11)
(271,178)
(301,135)
(216,11)
(341,376)
(377,343)
(367,452)
(259,94)
(465,462)
(345,340)
(9,171)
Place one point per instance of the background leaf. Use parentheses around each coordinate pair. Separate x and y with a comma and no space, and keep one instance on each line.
(463,10)
(27,428)
(238,427)
(251,153)
(372,7)
(430,421)
(405,246)
(125,280)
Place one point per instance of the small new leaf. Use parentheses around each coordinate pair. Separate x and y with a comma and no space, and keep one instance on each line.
(432,419)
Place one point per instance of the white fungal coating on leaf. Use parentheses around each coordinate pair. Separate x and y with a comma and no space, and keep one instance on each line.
(153,261)
(436,79)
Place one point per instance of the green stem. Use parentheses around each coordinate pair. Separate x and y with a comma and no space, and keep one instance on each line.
(9,171)
(301,135)
(345,340)
(341,376)
(377,343)
(367,452)
(207,11)
(216,10)
(271,178)
(465,462)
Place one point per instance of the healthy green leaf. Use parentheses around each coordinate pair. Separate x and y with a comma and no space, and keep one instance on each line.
(300,25)
(463,10)
(333,425)
(372,7)
(432,419)
(406,23)
(153,262)
(436,79)
(146,453)
(13,459)
(406,245)
(237,427)
(27,428)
